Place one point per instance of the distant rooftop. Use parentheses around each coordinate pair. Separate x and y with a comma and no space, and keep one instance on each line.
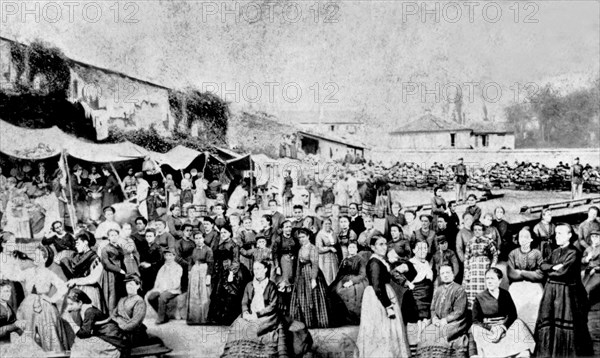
(324,117)
(430,123)
(487,127)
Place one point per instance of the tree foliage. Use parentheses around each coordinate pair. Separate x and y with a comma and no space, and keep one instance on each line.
(209,110)
(551,119)
(152,140)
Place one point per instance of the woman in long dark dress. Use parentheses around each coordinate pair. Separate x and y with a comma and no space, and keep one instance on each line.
(561,329)
(98,335)
(258,332)
(309,302)
(110,189)
(496,329)
(228,281)
(285,253)
(350,283)
(382,332)
(199,289)
(114,270)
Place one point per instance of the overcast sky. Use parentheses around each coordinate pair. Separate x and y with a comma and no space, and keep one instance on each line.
(372,56)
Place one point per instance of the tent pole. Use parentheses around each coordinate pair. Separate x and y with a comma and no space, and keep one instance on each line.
(72,205)
(119,180)
(251,177)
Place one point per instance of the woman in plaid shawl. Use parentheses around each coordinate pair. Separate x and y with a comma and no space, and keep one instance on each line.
(480,255)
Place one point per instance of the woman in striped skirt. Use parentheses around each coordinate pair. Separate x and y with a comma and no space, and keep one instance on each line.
(309,302)
(480,255)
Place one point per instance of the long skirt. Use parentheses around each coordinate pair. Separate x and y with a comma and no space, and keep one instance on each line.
(351,297)
(110,289)
(243,340)
(423,294)
(434,343)
(43,323)
(93,347)
(287,265)
(518,339)
(198,295)
(378,335)
(96,208)
(310,305)
(21,346)
(131,264)
(328,264)
(527,296)
(477,267)
(561,329)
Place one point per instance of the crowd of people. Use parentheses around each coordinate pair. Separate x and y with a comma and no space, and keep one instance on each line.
(443,283)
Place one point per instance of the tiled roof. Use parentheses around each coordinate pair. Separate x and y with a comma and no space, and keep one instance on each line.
(430,123)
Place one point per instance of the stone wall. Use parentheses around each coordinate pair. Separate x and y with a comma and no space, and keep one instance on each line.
(548,156)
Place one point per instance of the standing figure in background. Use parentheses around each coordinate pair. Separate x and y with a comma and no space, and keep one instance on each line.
(111,188)
(438,206)
(130,183)
(142,194)
(200,193)
(156,201)
(340,190)
(173,198)
(187,196)
(576,179)
(287,194)
(544,234)
(460,173)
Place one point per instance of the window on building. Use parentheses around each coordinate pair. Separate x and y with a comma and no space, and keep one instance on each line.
(330,153)
(453,139)
(332,128)
(484,140)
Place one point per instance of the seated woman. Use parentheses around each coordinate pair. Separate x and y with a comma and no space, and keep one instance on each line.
(591,274)
(446,336)
(11,271)
(130,313)
(8,318)
(496,329)
(39,309)
(98,335)
(309,303)
(258,332)
(350,283)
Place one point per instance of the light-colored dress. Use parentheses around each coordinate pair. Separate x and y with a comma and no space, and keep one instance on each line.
(328,260)
(43,323)
(526,283)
